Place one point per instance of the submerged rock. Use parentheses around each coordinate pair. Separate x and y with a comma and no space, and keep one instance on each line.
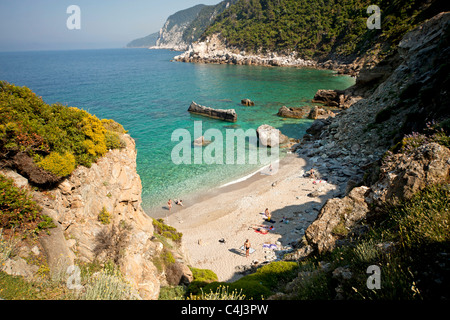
(247,102)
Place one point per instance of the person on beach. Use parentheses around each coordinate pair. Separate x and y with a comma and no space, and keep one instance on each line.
(268,214)
(247,246)
(179,202)
(169,203)
(262,229)
(312,174)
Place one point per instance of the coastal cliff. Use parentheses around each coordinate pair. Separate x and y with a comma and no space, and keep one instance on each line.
(124,232)
(78,217)
(186,26)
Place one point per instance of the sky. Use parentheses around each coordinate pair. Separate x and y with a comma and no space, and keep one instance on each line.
(42,24)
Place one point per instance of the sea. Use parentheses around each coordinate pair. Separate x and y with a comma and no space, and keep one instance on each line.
(149,94)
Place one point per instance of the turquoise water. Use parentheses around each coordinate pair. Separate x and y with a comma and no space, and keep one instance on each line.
(149,95)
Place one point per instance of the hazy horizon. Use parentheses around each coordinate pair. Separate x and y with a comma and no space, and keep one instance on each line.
(29,25)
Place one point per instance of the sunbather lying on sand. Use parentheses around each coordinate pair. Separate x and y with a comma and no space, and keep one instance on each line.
(262,229)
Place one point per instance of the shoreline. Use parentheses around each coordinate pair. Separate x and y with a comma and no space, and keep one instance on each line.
(229,213)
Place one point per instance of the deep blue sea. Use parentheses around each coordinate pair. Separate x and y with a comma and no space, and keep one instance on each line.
(149,95)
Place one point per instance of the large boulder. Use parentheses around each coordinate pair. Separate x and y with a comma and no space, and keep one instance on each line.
(296,113)
(319,113)
(270,137)
(330,98)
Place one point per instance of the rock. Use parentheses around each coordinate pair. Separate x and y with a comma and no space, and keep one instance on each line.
(201,142)
(247,102)
(19,180)
(319,113)
(296,113)
(343,213)
(328,97)
(18,267)
(317,127)
(58,254)
(405,174)
(270,137)
(113,183)
(342,273)
(221,114)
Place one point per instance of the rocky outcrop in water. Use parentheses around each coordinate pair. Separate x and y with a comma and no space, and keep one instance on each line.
(221,114)
(270,137)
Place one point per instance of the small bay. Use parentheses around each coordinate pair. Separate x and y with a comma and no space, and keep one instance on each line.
(149,95)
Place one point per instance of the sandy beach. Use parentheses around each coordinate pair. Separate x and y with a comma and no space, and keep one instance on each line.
(229,214)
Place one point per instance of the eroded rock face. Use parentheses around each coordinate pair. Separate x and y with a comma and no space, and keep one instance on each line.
(270,137)
(111,183)
(406,174)
(336,218)
(221,114)
(214,50)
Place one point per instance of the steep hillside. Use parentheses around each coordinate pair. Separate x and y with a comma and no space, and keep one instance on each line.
(186,26)
(171,34)
(319,30)
(145,42)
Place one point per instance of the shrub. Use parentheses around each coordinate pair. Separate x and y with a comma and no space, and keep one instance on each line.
(104,216)
(113,140)
(107,285)
(17,209)
(167,231)
(29,125)
(60,165)
(202,277)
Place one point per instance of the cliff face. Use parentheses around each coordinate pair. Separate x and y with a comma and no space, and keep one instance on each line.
(111,183)
(98,216)
(171,34)
(355,140)
(186,26)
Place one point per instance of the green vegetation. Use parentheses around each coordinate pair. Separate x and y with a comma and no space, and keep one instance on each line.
(203,20)
(406,241)
(56,137)
(96,283)
(104,216)
(316,29)
(167,231)
(19,211)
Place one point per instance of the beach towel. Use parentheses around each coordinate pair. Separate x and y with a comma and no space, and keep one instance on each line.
(250,251)
(270,246)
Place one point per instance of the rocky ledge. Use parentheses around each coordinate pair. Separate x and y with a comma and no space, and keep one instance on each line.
(221,114)
(213,50)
